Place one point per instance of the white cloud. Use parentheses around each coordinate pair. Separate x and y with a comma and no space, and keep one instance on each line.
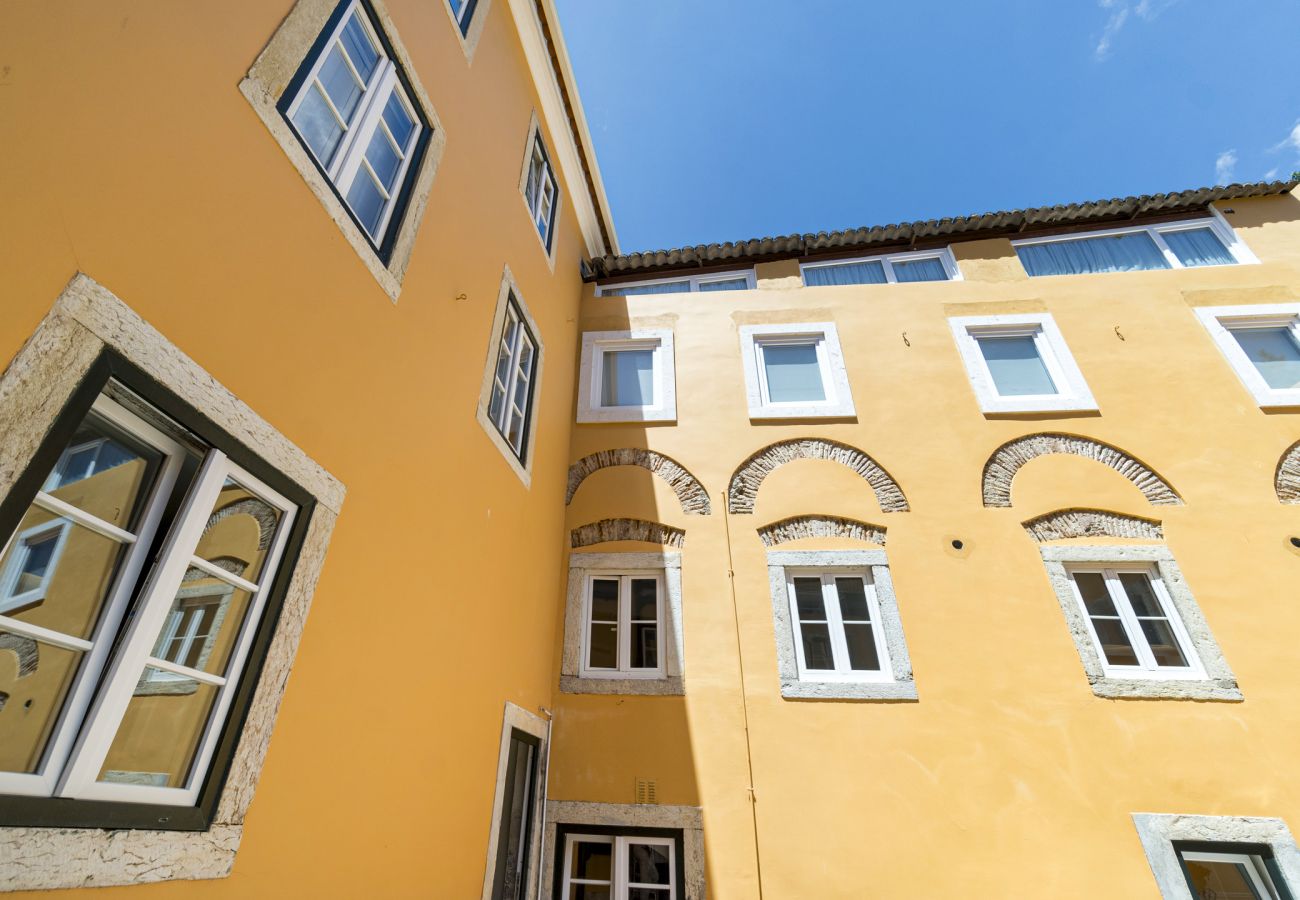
(1224,166)
(1292,140)
(1113,26)
(1270,174)
(1146,10)
(1149,10)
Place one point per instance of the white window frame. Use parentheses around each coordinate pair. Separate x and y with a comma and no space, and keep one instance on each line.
(349,161)
(544,226)
(513,352)
(9,601)
(611,290)
(619,885)
(1253,863)
(1160,833)
(595,344)
(887,260)
(508,298)
(1221,321)
(624,669)
(1215,222)
(1146,668)
(1072,392)
(838,402)
(835,625)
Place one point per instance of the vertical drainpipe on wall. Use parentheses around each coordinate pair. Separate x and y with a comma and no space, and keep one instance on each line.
(744,696)
(546,780)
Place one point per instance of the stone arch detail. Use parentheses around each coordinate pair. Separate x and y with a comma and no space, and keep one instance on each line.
(746,481)
(797,528)
(24,649)
(1089,523)
(690,493)
(1007,460)
(260,510)
(626,530)
(1286,481)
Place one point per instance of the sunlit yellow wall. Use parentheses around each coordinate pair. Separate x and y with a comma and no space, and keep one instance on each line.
(1008,778)
(131,155)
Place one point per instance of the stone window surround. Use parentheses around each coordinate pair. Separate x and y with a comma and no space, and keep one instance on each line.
(468,38)
(535,135)
(509,289)
(1217,321)
(903,685)
(1072,391)
(518,718)
(1219,682)
(590,376)
(840,407)
(583,564)
(689,819)
(264,86)
(1159,831)
(84,320)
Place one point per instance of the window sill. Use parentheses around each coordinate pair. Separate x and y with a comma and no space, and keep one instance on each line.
(1038,405)
(848,690)
(1224,690)
(843,410)
(668,686)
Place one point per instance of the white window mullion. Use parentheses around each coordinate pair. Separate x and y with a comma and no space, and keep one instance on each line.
(1129,620)
(1170,256)
(624,623)
(835,625)
(347,159)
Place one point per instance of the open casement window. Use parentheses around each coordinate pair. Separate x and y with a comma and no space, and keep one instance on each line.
(1262,344)
(619,868)
(134,584)
(1133,623)
(511,404)
(514,848)
(627,376)
(1172,245)
(1231,871)
(922,265)
(623,618)
(837,626)
(1020,363)
(541,193)
(742,280)
(794,371)
(354,114)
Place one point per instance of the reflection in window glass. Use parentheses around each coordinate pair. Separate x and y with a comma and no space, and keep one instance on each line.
(1015,365)
(1274,353)
(627,378)
(793,373)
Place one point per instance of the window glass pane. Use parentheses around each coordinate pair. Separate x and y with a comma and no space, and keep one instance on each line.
(366,201)
(160,732)
(808,599)
(1092,585)
(35,678)
(1198,247)
(513,842)
(729,284)
(340,83)
(645,645)
(104,472)
(602,652)
(1015,366)
(1117,253)
(589,892)
(641,893)
(317,125)
(226,610)
(793,373)
(872,272)
(604,600)
(1222,880)
(853,599)
(648,863)
(1115,645)
(920,270)
(399,121)
(238,532)
(1141,595)
(77,578)
(383,159)
(361,51)
(628,377)
(593,861)
(1274,353)
(666,287)
(862,647)
(1164,646)
(644,600)
(817,646)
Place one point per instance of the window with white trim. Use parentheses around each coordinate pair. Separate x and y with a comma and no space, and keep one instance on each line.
(1168,245)
(1132,622)
(1262,344)
(739,280)
(1227,871)
(795,371)
(1020,363)
(354,114)
(620,867)
(134,586)
(627,376)
(837,628)
(463,12)
(511,406)
(891,268)
(623,633)
(540,189)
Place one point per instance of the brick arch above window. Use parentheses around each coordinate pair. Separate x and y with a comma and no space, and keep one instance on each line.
(1090,523)
(626,530)
(1007,460)
(746,481)
(1286,481)
(797,528)
(690,492)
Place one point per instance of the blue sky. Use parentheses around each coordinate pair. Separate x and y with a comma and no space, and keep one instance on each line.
(722,120)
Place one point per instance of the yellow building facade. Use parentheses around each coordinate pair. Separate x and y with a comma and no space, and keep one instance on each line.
(375,528)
